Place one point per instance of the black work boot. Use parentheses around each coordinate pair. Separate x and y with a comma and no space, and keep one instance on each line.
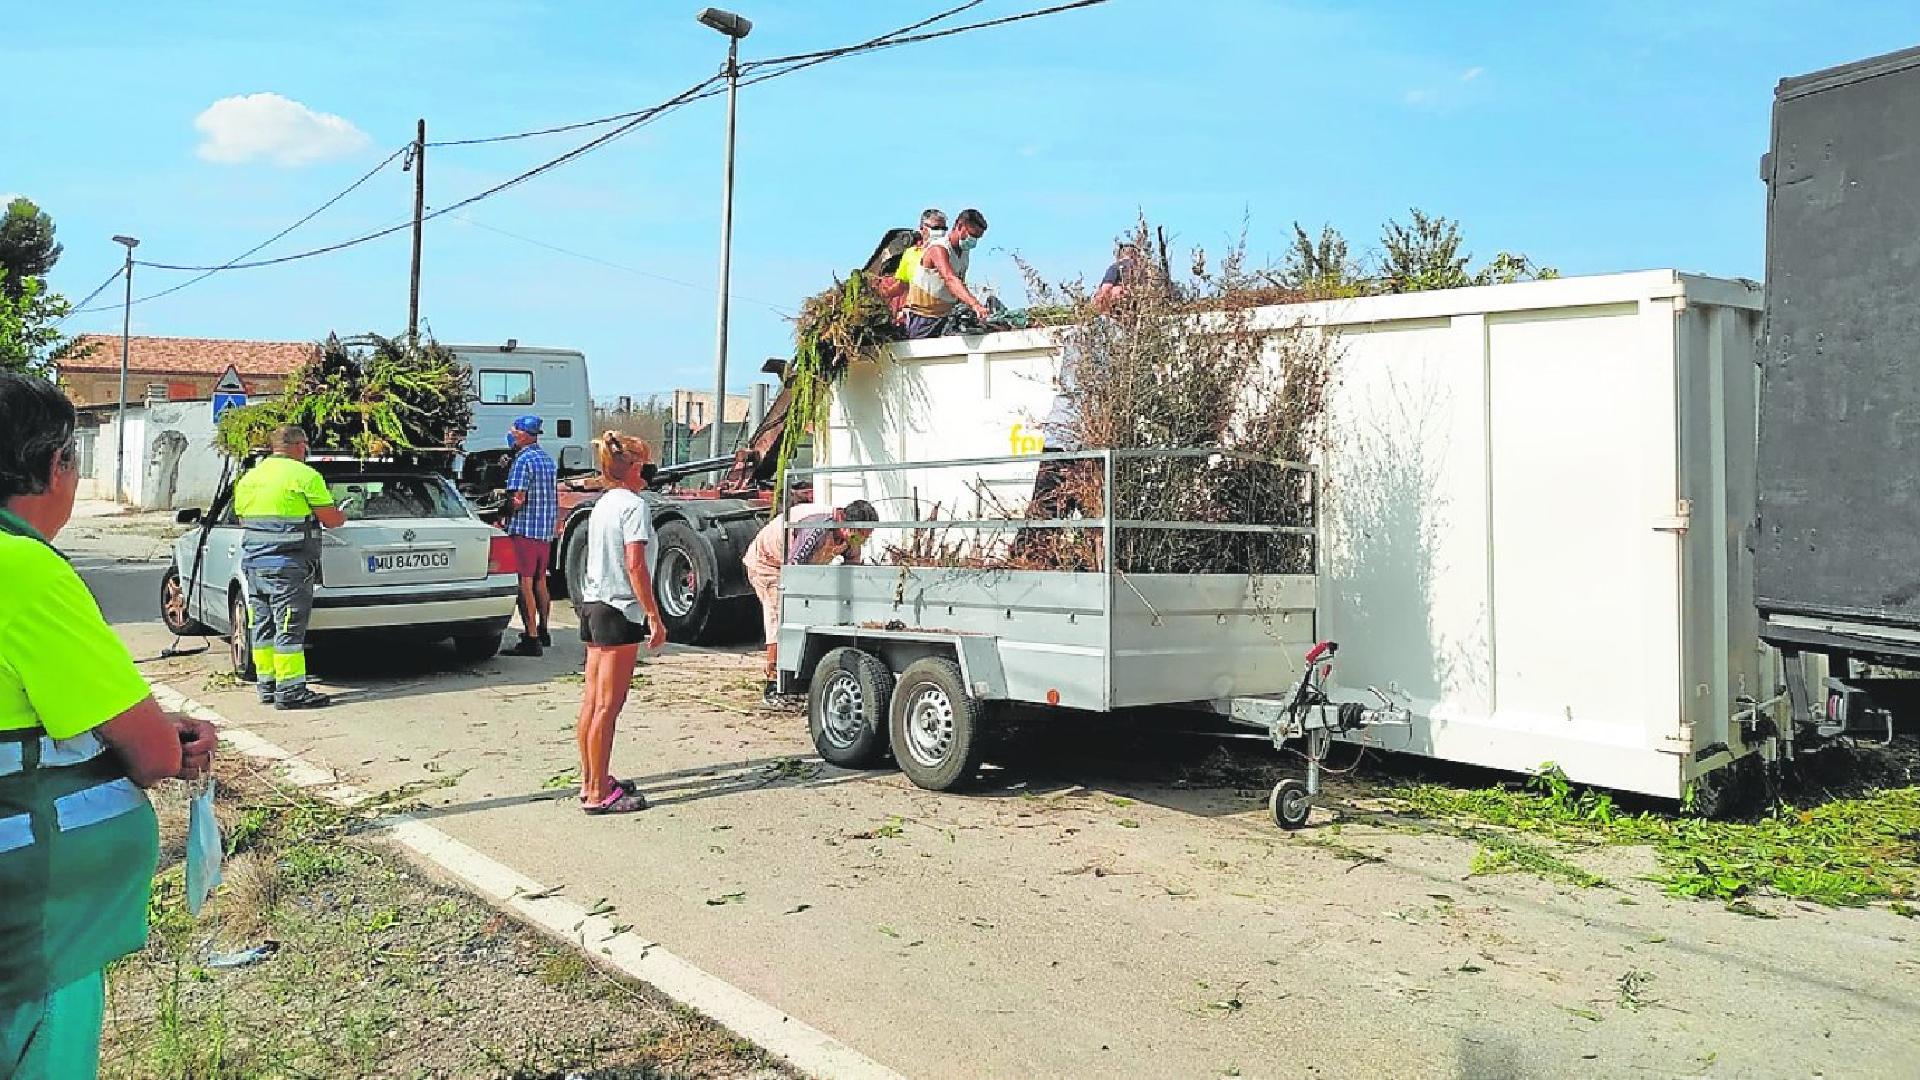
(526,646)
(302,698)
(265,686)
(546,638)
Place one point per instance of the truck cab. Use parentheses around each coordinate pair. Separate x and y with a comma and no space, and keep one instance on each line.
(513,380)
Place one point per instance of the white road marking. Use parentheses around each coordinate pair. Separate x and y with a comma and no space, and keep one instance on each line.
(806,1048)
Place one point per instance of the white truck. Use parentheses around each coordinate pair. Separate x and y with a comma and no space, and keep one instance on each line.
(513,380)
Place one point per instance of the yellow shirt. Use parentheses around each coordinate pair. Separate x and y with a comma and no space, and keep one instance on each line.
(280,488)
(62,668)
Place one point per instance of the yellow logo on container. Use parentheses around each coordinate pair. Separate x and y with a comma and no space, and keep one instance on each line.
(1024,441)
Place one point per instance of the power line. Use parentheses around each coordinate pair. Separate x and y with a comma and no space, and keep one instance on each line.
(699,91)
(616,117)
(82,305)
(643,117)
(231,263)
(890,40)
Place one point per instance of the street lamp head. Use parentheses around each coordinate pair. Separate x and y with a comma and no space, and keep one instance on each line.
(127,240)
(734,26)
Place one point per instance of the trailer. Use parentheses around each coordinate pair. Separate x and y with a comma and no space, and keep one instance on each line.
(1537,523)
(923,662)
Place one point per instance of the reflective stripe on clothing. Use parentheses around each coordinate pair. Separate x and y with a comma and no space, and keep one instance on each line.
(78,840)
(279,605)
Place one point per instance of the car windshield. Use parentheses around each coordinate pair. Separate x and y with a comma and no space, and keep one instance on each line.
(381,498)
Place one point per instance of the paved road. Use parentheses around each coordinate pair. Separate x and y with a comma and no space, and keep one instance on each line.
(1080,914)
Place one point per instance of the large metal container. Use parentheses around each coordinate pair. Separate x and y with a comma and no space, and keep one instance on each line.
(1537,501)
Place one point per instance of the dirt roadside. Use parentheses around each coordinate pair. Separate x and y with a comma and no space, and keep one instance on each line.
(326,954)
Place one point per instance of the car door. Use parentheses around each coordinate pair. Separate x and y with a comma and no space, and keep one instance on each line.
(209,558)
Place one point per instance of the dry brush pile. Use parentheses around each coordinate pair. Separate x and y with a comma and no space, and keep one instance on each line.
(1193,364)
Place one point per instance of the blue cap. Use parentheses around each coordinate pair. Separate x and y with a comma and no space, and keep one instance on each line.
(529,424)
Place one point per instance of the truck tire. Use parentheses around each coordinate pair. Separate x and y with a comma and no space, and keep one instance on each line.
(573,564)
(847,708)
(935,726)
(683,583)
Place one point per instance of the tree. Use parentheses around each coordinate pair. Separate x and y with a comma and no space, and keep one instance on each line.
(1321,266)
(1427,255)
(1423,255)
(30,339)
(27,247)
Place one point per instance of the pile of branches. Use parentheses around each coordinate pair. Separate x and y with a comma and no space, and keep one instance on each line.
(370,396)
(844,324)
(1185,365)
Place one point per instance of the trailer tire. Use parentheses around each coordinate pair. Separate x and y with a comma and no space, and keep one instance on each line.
(1290,804)
(935,726)
(847,708)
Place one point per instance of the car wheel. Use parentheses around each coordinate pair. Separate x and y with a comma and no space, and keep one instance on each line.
(240,638)
(174,610)
(473,648)
(935,726)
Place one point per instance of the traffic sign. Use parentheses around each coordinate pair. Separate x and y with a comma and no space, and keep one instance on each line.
(230,383)
(222,402)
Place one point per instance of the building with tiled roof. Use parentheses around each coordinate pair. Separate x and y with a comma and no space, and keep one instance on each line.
(178,369)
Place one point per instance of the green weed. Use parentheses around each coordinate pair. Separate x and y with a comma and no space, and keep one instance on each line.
(1848,851)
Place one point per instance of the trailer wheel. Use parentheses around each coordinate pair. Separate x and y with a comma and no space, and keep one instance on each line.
(847,708)
(934,726)
(1290,804)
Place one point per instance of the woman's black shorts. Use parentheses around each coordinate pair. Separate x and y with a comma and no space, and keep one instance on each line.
(604,624)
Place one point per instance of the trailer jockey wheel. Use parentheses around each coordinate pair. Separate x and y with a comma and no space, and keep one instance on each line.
(1290,804)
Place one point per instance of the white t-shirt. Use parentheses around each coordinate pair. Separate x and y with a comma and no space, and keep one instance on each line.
(620,517)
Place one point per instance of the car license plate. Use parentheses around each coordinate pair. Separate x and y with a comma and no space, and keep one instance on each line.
(409,560)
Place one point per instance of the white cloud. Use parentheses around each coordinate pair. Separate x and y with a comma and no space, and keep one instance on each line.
(268,127)
(1472,73)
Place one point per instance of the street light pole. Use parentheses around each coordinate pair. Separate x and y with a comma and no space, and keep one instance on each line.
(126,340)
(735,28)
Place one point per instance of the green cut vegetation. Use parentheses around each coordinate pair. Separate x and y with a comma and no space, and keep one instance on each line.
(1845,851)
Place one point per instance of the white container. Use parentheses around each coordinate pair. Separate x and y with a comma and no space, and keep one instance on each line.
(1537,502)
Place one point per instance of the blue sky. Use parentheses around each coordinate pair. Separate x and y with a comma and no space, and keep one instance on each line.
(1596,137)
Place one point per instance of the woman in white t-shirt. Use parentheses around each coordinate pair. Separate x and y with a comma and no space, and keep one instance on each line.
(618,613)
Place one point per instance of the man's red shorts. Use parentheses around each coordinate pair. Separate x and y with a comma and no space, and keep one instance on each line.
(532,557)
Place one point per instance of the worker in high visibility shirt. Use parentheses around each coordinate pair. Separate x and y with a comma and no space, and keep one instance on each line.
(283,503)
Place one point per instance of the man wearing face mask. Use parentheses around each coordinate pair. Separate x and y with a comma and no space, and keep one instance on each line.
(893,287)
(940,281)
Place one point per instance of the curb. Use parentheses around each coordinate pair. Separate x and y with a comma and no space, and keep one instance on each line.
(800,1045)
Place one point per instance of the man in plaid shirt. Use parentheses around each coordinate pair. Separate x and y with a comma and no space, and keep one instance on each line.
(533,513)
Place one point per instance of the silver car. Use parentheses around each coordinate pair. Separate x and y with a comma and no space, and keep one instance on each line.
(412,561)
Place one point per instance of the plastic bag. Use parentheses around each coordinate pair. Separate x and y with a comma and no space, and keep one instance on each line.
(204,848)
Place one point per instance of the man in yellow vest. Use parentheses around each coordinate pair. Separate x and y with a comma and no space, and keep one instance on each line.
(283,503)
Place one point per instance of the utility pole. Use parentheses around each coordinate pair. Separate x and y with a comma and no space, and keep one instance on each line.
(419,167)
(735,28)
(126,343)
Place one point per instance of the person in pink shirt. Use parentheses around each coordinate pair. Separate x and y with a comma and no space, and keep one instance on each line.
(822,537)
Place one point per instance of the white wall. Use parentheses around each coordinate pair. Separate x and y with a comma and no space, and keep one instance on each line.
(171,461)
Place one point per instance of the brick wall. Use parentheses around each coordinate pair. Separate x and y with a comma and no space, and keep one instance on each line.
(103,387)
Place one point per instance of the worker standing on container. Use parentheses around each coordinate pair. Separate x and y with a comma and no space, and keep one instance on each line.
(819,538)
(893,287)
(1123,275)
(940,282)
(283,503)
(533,493)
